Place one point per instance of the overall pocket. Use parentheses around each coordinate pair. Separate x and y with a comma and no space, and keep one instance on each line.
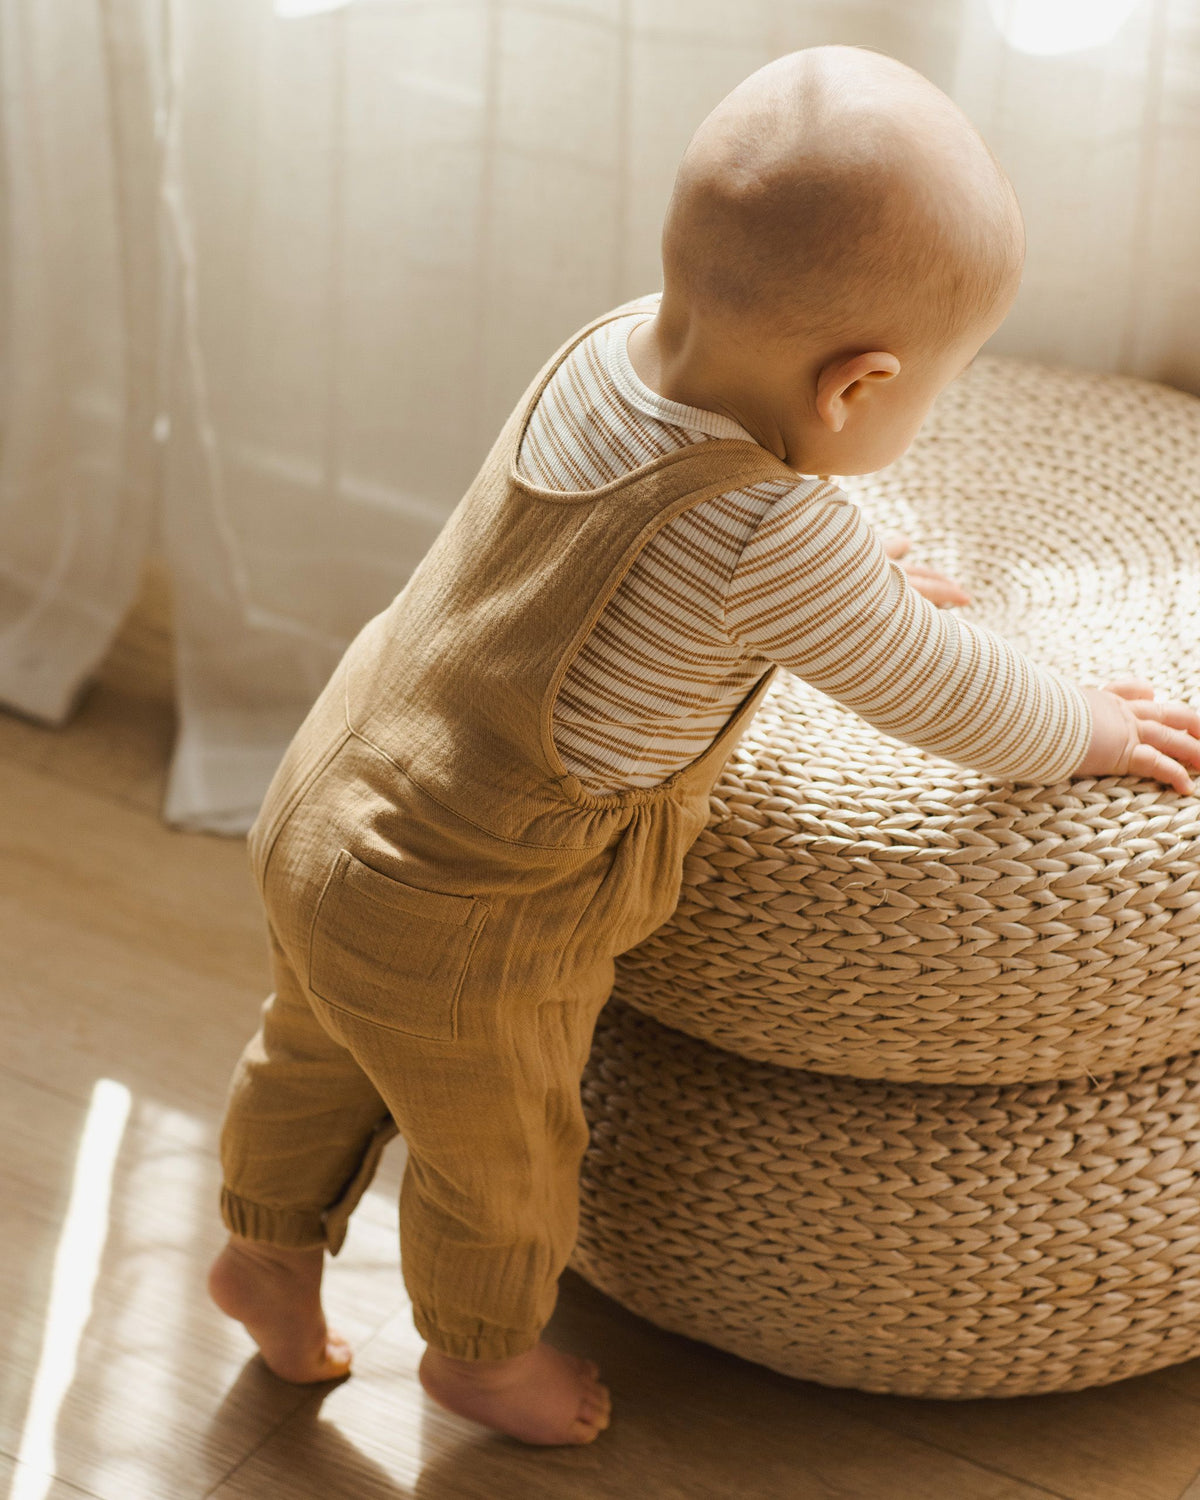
(389,953)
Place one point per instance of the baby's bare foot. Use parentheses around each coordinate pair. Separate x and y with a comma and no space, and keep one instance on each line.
(541,1396)
(276,1293)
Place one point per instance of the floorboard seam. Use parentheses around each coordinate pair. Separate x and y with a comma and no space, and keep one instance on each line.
(976,1463)
(56,1478)
(293,1414)
(40,1083)
(305,1400)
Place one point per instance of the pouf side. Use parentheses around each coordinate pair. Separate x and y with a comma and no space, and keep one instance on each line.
(917,1239)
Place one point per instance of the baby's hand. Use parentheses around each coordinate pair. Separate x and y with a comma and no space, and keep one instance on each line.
(936,587)
(1134,735)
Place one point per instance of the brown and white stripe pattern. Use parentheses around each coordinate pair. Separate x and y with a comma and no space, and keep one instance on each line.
(778,573)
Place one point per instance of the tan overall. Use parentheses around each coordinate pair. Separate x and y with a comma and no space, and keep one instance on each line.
(445,901)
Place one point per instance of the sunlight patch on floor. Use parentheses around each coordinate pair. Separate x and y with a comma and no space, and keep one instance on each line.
(76,1262)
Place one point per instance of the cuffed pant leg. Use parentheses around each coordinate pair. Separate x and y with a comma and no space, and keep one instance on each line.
(304,1127)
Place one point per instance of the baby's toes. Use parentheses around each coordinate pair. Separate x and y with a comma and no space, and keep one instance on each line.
(600,1397)
(599,1417)
(583,1431)
(596,1407)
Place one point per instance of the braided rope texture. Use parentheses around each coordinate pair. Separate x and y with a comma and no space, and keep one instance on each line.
(859,907)
(919,1239)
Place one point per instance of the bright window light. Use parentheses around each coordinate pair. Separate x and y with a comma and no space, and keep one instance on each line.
(1048,26)
(80,1246)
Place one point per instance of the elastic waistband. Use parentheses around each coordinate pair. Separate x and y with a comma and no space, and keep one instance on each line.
(574,828)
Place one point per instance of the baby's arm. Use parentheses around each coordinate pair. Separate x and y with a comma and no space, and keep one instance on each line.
(815,591)
(1134,735)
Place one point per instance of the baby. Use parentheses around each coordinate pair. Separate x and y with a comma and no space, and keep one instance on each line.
(493,796)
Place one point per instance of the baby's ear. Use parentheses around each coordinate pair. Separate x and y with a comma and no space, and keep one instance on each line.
(843,381)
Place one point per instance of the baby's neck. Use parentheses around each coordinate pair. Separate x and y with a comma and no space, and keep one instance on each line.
(678,366)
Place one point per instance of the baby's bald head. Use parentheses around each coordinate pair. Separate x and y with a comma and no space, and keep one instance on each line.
(838,196)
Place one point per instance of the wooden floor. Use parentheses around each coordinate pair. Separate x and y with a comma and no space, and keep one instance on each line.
(131,969)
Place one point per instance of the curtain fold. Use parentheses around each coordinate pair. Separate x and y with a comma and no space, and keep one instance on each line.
(273,276)
(78,355)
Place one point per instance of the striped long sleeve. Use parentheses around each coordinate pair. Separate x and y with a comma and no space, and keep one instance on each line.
(815,592)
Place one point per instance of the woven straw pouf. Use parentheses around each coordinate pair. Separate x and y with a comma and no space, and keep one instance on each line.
(920,1239)
(858,906)
(934,1127)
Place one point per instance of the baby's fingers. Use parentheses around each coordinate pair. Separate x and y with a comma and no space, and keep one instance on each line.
(1179,744)
(1131,688)
(935,586)
(1170,712)
(897,545)
(1149,761)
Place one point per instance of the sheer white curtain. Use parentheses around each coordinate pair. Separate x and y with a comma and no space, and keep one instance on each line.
(274,274)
